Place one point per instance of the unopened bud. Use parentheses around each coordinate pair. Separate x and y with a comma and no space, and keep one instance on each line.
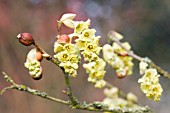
(63,39)
(26,39)
(39,56)
(73,39)
(120,76)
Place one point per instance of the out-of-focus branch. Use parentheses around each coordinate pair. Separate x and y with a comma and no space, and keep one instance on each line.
(95,106)
(138,58)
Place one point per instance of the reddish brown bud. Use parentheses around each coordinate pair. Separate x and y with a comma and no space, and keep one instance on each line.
(73,39)
(39,56)
(120,76)
(63,39)
(122,54)
(64,91)
(39,76)
(26,39)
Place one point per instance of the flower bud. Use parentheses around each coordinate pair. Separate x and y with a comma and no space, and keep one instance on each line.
(67,19)
(26,39)
(73,39)
(63,39)
(120,76)
(39,56)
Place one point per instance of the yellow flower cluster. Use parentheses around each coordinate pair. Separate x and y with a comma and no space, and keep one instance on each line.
(149,83)
(113,100)
(33,65)
(87,43)
(34,68)
(117,57)
(68,55)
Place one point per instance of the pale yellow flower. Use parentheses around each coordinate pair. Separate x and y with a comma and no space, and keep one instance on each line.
(97,74)
(62,56)
(142,67)
(119,49)
(111,93)
(70,48)
(108,53)
(150,73)
(90,79)
(89,56)
(74,58)
(100,84)
(132,97)
(115,34)
(58,47)
(70,68)
(150,84)
(91,47)
(80,26)
(88,34)
(80,44)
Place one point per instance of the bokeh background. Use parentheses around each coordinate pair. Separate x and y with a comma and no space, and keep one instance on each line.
(144,23)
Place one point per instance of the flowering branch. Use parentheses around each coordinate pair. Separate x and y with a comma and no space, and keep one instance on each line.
(139,58)
(69,49)
(95,106)
(56,62)
(67,81)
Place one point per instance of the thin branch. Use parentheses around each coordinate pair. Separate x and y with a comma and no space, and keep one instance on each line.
(95,106)
(46,55)
(69,91)
(29,90)
(139,58)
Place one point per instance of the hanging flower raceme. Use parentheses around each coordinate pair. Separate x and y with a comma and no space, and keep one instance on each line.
(149,83)
(88,44)
(117,57)
(84,41)
(33,64)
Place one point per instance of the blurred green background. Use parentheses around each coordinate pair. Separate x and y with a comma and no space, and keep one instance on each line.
(144,23)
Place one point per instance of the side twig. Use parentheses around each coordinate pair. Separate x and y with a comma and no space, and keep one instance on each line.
(45,54)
